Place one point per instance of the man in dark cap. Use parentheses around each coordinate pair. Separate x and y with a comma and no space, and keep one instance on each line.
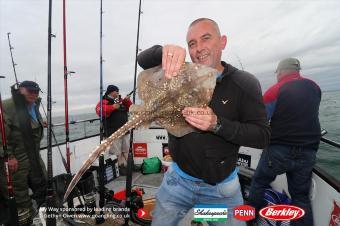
(24,131)
(115,115)
(292,106)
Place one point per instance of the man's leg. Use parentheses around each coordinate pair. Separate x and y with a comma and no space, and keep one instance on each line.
(116,149)
(299,181)
(20,184)
(265,174)
(37,180)
(125,148)
(173,200)
(225,193)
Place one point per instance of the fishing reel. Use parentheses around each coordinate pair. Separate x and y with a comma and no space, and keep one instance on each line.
(86,186)
(137,200)
(25,218)
(118,200)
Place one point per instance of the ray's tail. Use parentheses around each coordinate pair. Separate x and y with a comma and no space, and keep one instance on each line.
(133,123)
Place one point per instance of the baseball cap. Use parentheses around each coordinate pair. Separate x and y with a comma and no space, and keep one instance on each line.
(289,63)
(111,88)
(30,85)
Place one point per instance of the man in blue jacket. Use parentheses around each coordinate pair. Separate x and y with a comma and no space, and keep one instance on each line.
(292,106)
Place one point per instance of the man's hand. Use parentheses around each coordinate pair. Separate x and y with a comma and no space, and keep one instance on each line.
(202,118)
(13,164)
(44,124)
(172,59)
(116,106)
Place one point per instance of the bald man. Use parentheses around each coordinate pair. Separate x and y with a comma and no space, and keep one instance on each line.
(204,169)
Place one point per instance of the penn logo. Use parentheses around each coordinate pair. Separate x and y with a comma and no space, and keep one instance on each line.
(244,213)
(282,212)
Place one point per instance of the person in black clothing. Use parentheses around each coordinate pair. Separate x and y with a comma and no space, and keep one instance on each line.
(115,115)
(292,106)
(204,169)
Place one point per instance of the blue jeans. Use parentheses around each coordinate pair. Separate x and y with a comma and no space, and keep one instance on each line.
(176,196)
(297,163)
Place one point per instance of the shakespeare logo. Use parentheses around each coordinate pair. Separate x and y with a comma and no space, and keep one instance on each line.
(217,213)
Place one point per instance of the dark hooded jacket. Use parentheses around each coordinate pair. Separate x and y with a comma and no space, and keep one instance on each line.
(237,101)
(113,118)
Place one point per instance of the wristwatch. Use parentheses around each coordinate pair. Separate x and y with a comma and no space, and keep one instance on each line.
(218,126)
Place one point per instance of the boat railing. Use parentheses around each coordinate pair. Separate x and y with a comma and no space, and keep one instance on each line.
(84,129)
(77,121)
(88,129)
(331,180)
(78,130)
(328,141)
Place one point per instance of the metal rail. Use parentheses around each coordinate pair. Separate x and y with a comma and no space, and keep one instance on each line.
(78,121)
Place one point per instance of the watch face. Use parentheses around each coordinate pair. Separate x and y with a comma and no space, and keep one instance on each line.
(217,127)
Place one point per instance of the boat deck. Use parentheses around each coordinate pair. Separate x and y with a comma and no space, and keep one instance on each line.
(149,184)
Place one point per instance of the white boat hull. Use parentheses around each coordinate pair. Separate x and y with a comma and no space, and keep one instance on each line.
(322,194)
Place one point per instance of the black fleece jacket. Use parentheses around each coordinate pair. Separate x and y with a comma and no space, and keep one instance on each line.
(237,101)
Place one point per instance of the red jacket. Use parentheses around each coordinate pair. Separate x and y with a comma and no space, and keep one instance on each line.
(108,106)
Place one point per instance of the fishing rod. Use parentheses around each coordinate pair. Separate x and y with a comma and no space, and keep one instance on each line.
(67,131)
(101,72)
(133,91)
(13,212)
(13,64)
(239,60)
(64,163)
(56,141)
(130,162)
(66,72)
(17,82)
(136,53)
(51,220)
(100,219)
(117,100)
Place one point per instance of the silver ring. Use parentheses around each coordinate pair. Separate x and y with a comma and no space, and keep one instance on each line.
(170,54)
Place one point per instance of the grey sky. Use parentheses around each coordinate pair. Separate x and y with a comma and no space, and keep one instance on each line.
(260,33)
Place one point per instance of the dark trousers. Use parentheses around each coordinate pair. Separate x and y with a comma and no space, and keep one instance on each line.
(24,178)
(297,163)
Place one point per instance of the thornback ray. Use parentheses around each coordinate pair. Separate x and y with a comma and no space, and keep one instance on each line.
(162,102)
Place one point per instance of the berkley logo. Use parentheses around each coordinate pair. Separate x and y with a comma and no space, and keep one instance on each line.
(282,212)
(335,215)
(244,213)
